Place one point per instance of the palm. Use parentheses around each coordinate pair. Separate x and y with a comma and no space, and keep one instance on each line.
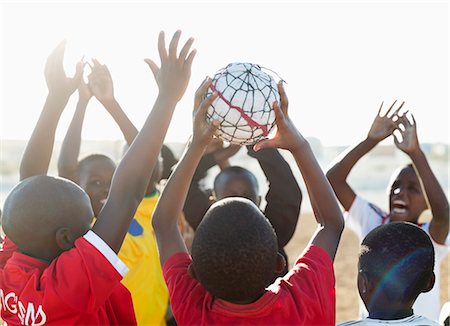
(100,82)
(410,141)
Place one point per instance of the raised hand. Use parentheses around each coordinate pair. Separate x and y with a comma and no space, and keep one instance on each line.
(203,131)
(173,75)
(287,135)
(84,93)
(384,125)
(408,131)
(59,85)
(100,82)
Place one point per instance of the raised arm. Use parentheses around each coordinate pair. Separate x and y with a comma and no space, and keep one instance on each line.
(70,148)
(382,127)
(170,204)
(36,158)
(323,200)
(284,196)
(131,177)
(436,198)
(101,85)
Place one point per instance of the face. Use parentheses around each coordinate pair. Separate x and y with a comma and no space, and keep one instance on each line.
(406,199)
(95,178)
(237,187)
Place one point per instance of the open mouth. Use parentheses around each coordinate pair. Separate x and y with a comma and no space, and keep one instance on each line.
(399,207)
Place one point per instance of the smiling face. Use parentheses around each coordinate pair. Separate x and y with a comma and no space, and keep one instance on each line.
(406,198)
(95,178)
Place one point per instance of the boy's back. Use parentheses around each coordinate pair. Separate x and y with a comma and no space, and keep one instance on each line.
(31,287)
(305,296)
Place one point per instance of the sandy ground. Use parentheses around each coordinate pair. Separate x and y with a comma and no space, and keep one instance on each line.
(345,267)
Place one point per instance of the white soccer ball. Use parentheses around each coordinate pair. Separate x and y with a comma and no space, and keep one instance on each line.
(244,105)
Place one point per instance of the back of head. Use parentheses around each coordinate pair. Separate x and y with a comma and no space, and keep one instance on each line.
(234,251)
(37,207)
(235,181)
(398,259)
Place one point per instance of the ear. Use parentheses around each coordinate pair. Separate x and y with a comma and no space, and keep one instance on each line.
(430,283)
(64,239)
(191,271)
(281,263)
(258,203)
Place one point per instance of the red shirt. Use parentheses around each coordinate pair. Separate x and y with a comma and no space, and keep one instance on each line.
(304,296)
(80,287)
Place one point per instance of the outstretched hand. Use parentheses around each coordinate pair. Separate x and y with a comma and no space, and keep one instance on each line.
(408,131)
(173,75)
(287,135)
(100,82)
(203,131)
(57,82)
(384,125)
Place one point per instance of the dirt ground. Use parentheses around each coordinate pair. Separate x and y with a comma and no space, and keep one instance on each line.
(345,267)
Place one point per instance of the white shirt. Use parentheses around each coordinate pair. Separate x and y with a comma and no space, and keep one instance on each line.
(363,217)
(410,321)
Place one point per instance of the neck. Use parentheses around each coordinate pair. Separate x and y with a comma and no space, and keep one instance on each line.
(386,313)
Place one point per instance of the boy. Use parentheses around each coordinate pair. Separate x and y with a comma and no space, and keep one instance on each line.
(396,264)
(283,198)
(414,188)
(235,252)
(94,174)
(62,271)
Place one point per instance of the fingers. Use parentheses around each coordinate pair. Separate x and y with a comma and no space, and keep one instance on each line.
(200,93)
(379,110)
(206,103)
(153,67)
(279,114)
(390,111)
(185,50)
(396,112)
(162,46)
(76,79)
(283,97)
(190,58)
(266,143)
(174,44)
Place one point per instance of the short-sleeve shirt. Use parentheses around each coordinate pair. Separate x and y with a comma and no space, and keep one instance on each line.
(144,279)
(413,320)
(79,287)
(304,296)
(363,217)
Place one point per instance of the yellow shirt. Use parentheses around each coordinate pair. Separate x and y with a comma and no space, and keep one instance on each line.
(144,279)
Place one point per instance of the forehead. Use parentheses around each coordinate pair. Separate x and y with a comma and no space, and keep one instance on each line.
(97,166)
(407,174)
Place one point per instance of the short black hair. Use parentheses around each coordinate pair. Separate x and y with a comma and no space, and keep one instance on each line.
(399,258)
(234,250)
(241,173)
(90,158)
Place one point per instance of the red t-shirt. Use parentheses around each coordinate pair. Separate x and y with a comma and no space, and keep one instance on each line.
(304,296)
(80,287)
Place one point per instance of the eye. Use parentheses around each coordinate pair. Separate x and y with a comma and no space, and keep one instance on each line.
(396,190)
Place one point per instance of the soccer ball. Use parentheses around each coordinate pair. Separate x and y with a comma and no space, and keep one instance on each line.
(244,104)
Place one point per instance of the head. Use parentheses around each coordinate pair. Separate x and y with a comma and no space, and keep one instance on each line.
(94,174)
(406,197)
(44,216)
(235,251)
(235,181)
(395,265)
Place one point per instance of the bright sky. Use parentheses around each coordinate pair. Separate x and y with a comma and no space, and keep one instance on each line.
(340,59)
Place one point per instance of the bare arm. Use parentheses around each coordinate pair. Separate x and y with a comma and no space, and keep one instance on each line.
(323,200)
(283,197)
(70,148)
(131,177)
(170,204)
(382,127)
(101,85)
(36,158)
(434,194)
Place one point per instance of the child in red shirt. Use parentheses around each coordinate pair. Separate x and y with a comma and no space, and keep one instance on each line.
(235,251)
(62,271)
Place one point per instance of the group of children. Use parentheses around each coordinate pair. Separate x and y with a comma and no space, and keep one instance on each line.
(71,240)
